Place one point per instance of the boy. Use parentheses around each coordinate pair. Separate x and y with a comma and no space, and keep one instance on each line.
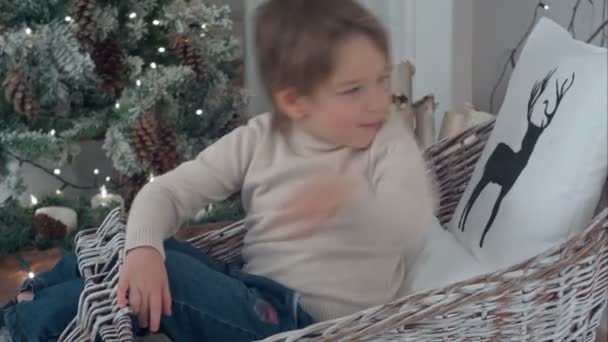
(338,188)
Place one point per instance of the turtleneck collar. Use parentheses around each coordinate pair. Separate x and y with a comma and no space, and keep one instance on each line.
(303,141)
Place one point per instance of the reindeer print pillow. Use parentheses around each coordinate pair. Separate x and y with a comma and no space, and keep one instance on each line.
(540,176)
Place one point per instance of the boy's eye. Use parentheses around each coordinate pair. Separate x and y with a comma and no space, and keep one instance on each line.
(352,90)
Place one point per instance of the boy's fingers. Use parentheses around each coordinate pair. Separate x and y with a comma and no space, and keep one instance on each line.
(135,300)
(155,310)
(144,312)
(122,288)
(166,299)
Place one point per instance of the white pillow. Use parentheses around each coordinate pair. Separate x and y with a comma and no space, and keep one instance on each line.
(550,190)
(441,262)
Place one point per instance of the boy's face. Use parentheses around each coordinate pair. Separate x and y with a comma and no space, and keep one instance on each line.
(350,107)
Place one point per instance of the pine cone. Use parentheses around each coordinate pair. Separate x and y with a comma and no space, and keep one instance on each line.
(109,65)
(238,79)
(154,143)
(234,123)
(144,138)
(131,186)
(83,15)
(49,228)
(166,158)
(187,54)
(18,93)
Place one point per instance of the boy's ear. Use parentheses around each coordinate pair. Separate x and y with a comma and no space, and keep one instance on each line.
(290,103)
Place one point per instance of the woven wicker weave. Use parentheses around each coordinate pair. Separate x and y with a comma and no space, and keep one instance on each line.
(556,296)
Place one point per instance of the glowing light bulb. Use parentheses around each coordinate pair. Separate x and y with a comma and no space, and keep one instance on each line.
(199,112)
(31,275)
(57,172)
(133,15)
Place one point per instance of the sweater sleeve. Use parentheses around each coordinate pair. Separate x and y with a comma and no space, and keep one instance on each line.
(398,163)
(162,206)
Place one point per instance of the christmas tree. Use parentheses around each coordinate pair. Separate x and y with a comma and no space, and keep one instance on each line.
(154,81)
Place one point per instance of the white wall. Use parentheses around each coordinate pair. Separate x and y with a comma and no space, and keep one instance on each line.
(434,52)
(499,24)
(462,61)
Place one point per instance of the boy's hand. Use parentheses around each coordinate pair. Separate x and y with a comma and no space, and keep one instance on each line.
(315,203)
(143,279)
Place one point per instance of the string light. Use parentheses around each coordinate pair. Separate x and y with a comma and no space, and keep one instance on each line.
(161,49)
(133,15)
(26,267)
(57,172)
(33,199)
(151,179)
(28,31)
(103,191)
(155,22)
(138,83)
(199,112)
(204,26)
(52,132)
(108,179)
(117,105)
(203,34)
(543,6)
(58,192)
(68,19)
(96,171)
(153,65)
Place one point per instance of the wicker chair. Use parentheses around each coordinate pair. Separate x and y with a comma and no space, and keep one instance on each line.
(559,295)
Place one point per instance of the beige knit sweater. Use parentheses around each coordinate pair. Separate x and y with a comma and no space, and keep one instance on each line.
(357,260)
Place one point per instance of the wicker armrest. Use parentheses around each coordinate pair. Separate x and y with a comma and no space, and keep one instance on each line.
(99,253)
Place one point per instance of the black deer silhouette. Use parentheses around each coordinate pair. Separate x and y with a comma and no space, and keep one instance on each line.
(505,165)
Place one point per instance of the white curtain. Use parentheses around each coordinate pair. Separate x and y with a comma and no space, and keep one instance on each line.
(258,102)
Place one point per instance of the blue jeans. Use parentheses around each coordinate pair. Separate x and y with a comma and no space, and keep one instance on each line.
(211,301)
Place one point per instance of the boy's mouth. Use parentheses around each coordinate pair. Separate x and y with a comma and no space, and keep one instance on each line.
(373,125)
